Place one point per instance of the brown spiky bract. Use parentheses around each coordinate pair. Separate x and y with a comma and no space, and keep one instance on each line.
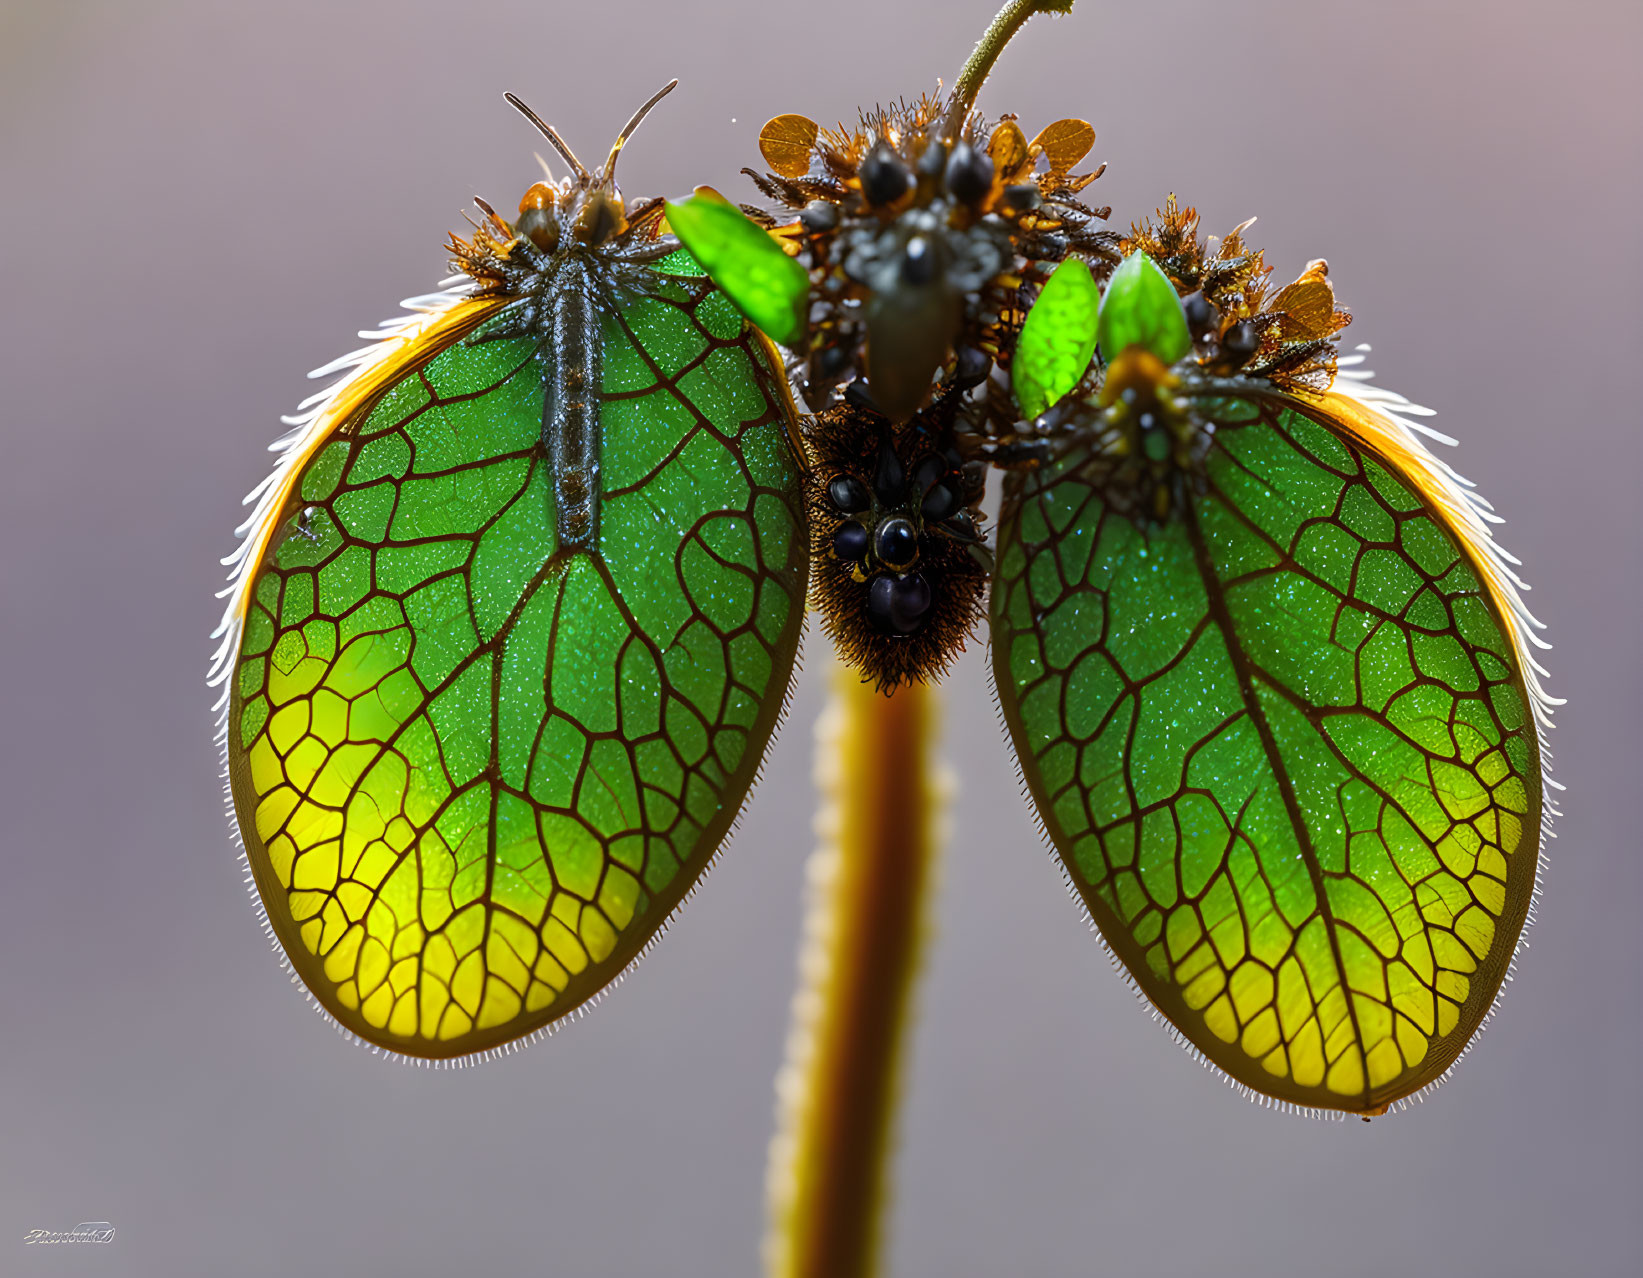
(484,257)
(1298,325)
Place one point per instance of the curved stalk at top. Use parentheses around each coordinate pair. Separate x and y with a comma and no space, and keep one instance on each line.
(1004,25)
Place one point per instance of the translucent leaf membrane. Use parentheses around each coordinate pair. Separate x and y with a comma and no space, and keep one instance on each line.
(1141,308)
(1282,744)
(1064,143)
(475,775)
(1057,340)
(770,287)
(786,143)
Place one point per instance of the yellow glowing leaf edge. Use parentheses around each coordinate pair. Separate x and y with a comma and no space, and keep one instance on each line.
(429,323)
(1387,426)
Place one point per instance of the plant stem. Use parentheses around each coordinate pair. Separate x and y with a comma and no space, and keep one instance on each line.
(1005,24)
(868,880)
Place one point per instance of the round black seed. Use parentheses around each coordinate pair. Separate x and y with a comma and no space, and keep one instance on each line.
(1200,313)
(932,161)
(972,367)
(896,543)
(884,178)
(1241,341)
(898,605)
(849,494)
(889,479)
(850,542)
(940,502)
(928,470)
(918,261)
(969,173)
(909,601)
(819,215)
(540,227)
(1023,197)
(878,603)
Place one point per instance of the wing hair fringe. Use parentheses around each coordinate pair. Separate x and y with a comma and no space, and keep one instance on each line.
(310,426)
(1391,425)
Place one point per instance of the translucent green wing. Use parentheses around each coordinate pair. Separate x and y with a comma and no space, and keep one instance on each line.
(475,772)
(1284,742)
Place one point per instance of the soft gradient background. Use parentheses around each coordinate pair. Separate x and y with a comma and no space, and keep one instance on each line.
(201,201)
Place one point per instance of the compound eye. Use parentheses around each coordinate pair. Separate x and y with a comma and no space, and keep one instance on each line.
(601,219)
(538,221)
(540,196)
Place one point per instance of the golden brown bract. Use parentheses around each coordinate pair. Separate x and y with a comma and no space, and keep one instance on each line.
(1238,324)
(899,571)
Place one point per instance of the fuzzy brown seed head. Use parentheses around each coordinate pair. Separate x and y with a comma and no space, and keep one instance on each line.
(899,569)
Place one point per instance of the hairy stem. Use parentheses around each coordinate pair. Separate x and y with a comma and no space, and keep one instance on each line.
(1005,24)
(868,880)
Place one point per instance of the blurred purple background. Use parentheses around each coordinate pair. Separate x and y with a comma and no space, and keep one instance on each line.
(202,201)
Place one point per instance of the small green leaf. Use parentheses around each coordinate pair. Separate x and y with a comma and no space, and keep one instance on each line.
(770,288)
(1141,309)
(1057,340)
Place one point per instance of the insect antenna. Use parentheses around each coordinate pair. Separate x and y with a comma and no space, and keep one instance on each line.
(547,131)
(607,175)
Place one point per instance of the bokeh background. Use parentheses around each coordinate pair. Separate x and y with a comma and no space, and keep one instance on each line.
(200,201)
